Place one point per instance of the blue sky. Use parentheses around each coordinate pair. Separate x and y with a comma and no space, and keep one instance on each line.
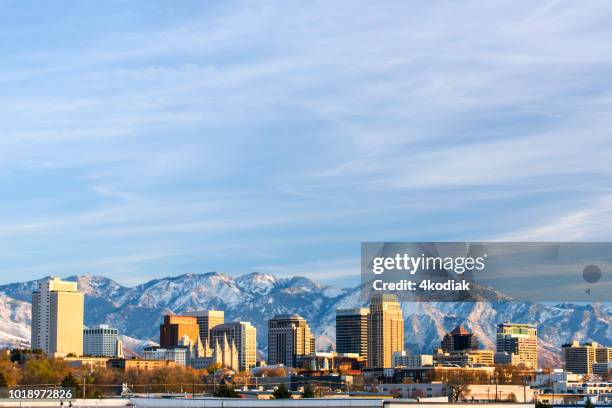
(144,139)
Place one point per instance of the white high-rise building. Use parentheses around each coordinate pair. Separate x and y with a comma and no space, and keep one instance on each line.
(103,341)
(57,318)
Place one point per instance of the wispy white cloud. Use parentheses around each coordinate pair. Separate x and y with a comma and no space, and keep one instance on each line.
(266,128)
(589,223)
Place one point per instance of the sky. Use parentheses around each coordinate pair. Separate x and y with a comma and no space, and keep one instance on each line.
(145,139)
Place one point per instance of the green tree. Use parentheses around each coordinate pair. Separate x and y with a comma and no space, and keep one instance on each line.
(43,371)
(281,392)
(226,392)
(16,356)
(588,403)
(308,392)
(69,381)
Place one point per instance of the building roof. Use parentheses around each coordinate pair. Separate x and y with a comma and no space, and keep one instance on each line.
(288,316)
(460,330)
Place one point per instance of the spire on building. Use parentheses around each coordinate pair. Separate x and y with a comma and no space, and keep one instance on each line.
(119,348)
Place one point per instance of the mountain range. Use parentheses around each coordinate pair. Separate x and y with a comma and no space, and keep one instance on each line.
(137,311)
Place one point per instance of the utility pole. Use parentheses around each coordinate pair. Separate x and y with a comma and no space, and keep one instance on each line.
(496,387)
(552,403)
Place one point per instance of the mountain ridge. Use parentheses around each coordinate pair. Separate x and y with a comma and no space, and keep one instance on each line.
(137,311)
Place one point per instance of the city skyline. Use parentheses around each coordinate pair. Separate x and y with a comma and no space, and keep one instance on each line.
(258,297)
(386,365)
(290,338)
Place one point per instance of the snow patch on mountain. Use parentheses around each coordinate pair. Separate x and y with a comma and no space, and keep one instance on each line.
(256,297)
(15,321)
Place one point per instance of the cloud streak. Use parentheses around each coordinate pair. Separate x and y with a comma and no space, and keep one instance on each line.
(210,135)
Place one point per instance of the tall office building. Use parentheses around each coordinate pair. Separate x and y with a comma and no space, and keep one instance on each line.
(459,339)
(57,318)
(580,359)
(517,344)
(289,339)
(385,330)
(352,331)
(207,319)
(244,336)
(173,329)
(102,341)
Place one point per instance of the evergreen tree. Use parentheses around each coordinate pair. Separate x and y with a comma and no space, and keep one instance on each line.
(588,403)
(69,381)
(225,392)
(281,392)
(308,392)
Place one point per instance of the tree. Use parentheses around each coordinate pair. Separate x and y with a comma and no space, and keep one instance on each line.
(69,381)
(9,372)
(272,372)
(308,392)
(43,371)
(226,392)
(16,356)
(512,397)
(456,392)
(588,403)
(457,385)
(281,392)
(3,382)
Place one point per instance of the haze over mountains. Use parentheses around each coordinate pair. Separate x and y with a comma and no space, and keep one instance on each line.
(137,311)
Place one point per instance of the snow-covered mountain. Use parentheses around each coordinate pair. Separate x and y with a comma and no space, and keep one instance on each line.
(137,311)
(15,318)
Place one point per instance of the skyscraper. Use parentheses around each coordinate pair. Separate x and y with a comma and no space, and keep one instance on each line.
(579,359)
(459,339)
(385,330)
(207,319)
(172,330)
(289,339)
(244,336)
(57,318)
(102,340)
(517,344)
(352,331)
